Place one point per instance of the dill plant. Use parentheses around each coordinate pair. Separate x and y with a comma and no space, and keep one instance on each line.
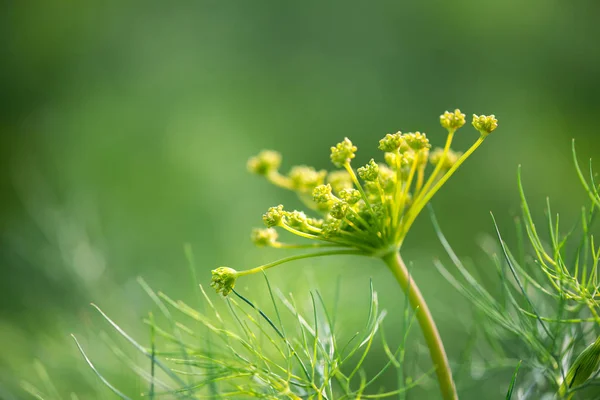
(544,312)
(540,320)
(201,352)
(365,212)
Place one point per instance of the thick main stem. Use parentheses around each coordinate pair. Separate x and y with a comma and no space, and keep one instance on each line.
(428,327)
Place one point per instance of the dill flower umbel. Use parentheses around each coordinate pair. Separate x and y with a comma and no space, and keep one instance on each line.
(372,209)
(367,212)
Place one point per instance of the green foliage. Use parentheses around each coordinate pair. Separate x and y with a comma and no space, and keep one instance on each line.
(547,308)
(512,382)
(290,354)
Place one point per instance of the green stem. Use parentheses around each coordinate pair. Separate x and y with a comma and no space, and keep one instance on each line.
(428,327)
(402,200)
(297,257)
(438,167)
(424,197)
(280,245)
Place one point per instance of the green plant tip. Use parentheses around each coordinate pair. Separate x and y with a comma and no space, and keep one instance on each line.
(583,367)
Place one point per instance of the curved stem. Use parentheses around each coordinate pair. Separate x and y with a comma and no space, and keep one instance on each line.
(428,327)
(297,257)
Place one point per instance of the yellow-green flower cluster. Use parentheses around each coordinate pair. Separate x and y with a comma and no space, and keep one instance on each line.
(452,120)
(223,280)
(485,124)
(371,209)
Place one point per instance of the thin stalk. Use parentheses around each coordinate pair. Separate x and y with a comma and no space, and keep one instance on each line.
(424,197)
(427,324)
(438,167)
(402,200)
(280,180)
(298,257)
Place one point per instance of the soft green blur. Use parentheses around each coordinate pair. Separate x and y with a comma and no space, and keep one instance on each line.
(125,129)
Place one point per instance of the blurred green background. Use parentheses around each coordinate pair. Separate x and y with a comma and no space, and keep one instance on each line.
(125,128)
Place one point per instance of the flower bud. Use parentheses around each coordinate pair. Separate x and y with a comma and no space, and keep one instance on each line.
(339,210)
(391,142)
(369,172)
(265,162)
(264,237)
(350,196)
(296,219)
(343,152)
(223,279)
(485,124)
(416,141)
(452,121)
(273,216)
(322,194)
(331,227)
